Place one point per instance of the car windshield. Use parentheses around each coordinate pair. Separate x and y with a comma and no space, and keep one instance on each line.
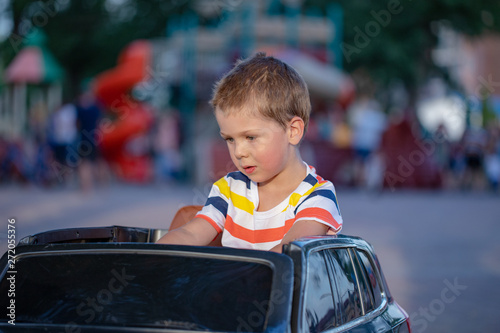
(140,290)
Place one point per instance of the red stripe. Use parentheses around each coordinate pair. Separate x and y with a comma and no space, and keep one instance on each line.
(288,224)
(318,177)
(257,236)
(209,220)
(321,214)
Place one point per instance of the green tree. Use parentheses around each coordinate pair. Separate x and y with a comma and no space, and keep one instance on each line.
(389,39)
(393,39)
(87,36)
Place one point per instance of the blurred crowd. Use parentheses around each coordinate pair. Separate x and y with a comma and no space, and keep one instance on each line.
(371,140)
(64,148)
(58,149)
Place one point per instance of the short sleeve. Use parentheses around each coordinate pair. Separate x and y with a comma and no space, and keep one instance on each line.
(321,206)
(215,209)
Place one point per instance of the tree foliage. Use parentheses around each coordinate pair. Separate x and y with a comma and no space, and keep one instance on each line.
(87,36)
(387,38)
(393,38)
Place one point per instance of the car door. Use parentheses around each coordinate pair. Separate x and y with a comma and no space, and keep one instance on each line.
(319,311)
(357,307)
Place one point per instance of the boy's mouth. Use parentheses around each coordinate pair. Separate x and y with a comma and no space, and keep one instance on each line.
(249,169)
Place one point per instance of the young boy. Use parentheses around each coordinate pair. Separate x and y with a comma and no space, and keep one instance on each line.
(262,107)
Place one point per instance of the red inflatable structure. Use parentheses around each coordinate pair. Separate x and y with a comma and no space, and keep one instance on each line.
(130,120)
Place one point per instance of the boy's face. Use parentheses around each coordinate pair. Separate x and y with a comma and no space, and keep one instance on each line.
(259,147)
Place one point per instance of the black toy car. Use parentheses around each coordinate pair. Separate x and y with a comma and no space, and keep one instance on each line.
(115,279)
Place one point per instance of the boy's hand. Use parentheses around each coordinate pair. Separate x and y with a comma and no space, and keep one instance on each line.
(196,232)
(302,229)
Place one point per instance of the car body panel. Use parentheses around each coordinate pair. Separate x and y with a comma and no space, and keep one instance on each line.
(283,310)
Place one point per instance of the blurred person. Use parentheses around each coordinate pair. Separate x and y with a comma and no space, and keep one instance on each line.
(492,157)
(14,161)
(42,173)
(4,165)
(37,122)
(456,165)
(341,135)
(341,140)
(442,154)
(473,143)
(166,147)
(262,107)
(367,122)
(62,137)
(42,157)
(374,171)
(88,117)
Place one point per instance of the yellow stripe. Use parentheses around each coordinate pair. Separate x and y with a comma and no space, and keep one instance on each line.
(295,197)
(242,203)
(223,187)
(238,201)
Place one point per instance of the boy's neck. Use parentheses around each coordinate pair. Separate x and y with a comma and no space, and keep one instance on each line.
(273,192)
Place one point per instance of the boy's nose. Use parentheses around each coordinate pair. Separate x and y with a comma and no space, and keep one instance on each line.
(239,150)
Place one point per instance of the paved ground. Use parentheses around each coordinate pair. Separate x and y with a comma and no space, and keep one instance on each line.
(439,250)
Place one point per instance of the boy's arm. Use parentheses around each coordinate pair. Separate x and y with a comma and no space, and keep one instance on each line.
(196,232)
(302,229)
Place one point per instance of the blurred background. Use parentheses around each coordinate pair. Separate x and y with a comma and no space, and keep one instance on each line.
(104,119)
(404,94)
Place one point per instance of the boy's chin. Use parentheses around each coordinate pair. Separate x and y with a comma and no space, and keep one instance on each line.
(252,176)
(259,179)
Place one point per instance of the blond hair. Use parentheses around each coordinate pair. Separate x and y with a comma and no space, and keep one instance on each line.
(271,87)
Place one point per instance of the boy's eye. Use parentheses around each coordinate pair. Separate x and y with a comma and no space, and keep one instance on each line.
(251,138)
(230,140)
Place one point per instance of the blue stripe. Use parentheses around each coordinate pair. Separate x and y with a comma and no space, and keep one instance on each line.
(311,180)
(240,176)
(218,203)
(322,193)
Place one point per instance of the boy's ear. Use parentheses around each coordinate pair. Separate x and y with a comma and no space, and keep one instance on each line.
(295,130)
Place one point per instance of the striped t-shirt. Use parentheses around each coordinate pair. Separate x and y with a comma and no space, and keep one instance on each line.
(233,200)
